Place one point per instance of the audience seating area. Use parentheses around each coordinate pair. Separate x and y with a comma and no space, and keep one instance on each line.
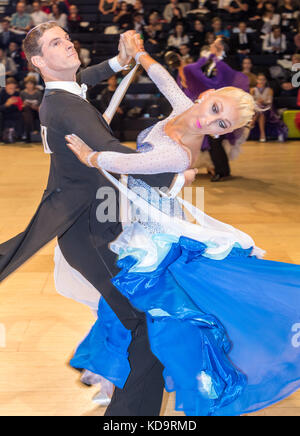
(92,37)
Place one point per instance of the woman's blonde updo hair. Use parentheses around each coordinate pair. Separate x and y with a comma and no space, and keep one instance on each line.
(245,104)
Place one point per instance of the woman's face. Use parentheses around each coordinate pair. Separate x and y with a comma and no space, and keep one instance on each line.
(55,9)
(199,26)
(217,25)
(215,115)
(247,64)
(269,7)
(30,86)
(261,81)
(210,38)
(179,29)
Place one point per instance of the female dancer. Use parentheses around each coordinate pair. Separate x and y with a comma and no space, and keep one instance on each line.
(224,323)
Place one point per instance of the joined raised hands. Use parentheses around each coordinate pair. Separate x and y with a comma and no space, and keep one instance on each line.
(130,43)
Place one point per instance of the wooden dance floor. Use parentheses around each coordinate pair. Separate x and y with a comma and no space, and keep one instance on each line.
(43,328)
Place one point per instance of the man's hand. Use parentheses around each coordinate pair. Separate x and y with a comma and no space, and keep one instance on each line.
(127,40)
(133,42)
(190,176)
(11,101)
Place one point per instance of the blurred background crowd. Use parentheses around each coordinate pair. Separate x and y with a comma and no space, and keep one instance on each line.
(262,40)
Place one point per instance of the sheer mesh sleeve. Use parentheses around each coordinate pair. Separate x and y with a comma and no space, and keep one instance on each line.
(169,88)
(159,160)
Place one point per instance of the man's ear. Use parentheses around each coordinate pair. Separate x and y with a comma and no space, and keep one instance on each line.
(38,62)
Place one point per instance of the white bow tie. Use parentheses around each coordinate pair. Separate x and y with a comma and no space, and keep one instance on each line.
(72,87)
(84,89)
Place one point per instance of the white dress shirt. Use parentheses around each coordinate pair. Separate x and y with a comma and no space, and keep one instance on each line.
(74,88)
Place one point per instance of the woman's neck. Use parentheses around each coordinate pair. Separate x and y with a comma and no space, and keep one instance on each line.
(176,129)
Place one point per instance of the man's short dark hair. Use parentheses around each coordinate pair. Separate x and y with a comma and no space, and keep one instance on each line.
(31,44)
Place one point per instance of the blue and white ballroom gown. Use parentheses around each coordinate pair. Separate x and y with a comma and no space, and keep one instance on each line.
(224,323)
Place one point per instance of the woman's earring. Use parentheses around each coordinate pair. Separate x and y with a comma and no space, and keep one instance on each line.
(216,136)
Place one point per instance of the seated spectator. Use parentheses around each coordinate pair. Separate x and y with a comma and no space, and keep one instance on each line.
(297,36)
(185,53)
(197,37)
(275,41)
(62,4)
(106,7)
(106,96)
(38,16)
(8,65)
(45,6)
(218,28)
(287,88)
(138,22)
(123,18)
(59,17)
(6,36)
(201,7)
(15,53)
(257,10)
(178,38)
(74,19)
(209,39)
(20,21)
(32,98)
(238,10)
(223,8)
(28,7)
(177,17)
(153,34)
(32,73)
(289,13)
(268,122)
(138,7)
(169,10)
(247,70)
(241,42)
(83,53)
(11,111)
(269,18)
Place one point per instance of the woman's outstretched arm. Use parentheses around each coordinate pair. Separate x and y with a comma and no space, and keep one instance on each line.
(158,74)
(158,160)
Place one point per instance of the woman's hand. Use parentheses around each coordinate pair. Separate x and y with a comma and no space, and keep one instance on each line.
(80,148)
(190,176)
(133,42)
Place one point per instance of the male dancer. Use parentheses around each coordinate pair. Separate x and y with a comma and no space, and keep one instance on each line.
(69,204)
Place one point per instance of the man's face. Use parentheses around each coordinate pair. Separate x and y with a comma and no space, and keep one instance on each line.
(58,53)
(20,8)
(217,25)
(5,26)
(242,27)
(11,88)
(73,9)
(13,46)
(277,33)
(184,50)
(217,46)
(112,81)
(36,6)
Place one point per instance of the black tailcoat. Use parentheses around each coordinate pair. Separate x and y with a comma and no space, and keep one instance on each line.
(72,186)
